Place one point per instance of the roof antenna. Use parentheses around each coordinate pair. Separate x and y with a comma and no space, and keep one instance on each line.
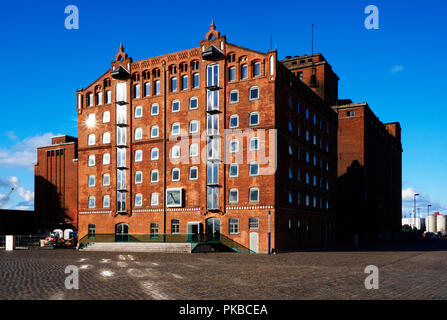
(313,78)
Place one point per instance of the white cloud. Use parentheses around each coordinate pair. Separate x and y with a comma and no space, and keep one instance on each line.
(11,135)
(397,68)
(25,194)
(23,153)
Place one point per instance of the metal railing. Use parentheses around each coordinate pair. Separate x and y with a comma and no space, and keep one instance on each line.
(216,240)
(28,241)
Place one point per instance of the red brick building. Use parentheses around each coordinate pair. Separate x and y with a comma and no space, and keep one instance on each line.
(217,138)
(369,164)
(369,186)
(56,184)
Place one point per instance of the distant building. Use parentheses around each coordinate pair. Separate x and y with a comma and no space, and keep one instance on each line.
(56,183)
(414,222)
(369,184)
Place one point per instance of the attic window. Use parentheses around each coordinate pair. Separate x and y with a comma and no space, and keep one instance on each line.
(350,114)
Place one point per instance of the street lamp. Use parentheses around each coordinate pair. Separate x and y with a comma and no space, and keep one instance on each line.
(414,212)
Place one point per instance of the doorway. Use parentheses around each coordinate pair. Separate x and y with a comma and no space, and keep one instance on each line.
(122,232)
(254,242)
(194,231)
(213,229)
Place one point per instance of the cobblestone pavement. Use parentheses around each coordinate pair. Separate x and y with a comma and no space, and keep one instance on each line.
(414,271)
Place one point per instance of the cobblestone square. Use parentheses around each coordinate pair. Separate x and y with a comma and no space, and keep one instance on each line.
(406,271)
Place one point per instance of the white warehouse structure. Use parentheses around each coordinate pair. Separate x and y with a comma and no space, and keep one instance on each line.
(436,223)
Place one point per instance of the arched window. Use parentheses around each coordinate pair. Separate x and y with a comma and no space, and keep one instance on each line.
(254,93)
(138,155)
(256,69)
(138,111)
(106,158)
(175,174)
(244,71)
(106,202)
(106,138)
(138,134)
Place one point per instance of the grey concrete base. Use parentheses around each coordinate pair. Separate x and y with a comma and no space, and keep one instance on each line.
(139,247)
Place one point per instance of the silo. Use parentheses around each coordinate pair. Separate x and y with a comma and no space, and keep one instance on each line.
(441,223)
(431,224)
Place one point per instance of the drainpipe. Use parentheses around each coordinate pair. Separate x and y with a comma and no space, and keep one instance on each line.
(164,151)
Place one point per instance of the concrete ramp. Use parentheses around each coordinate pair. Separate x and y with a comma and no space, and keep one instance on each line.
(138,247)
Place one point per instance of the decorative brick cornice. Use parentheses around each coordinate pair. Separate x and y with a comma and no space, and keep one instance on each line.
(94,212)
(249,207)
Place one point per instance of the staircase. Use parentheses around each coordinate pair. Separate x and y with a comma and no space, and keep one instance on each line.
(137,247)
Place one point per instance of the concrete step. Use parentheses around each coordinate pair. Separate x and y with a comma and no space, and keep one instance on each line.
(139,247)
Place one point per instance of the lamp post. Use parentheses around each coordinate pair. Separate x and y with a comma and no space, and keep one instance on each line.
(414,211)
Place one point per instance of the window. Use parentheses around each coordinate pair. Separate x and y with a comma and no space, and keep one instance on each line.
(138,155)
(254,144)
(184,82)
(106,158)
(99,98)
(138,177)
(234,121)
(175,106)
(212,173)
(175,226)
(290,150)
(138,134)
(90,99)
(91,181)
(233,196)
(154,199)
(193,173)
(244,71)
(121,157)
(253,169)
(213,148)
(350,113)
(108,97)
(121,201)
(234,146)
(154,132)
(137,91)
(175,174)
(154,154)
(290,197)
(307,113)
(138,200)
(91,202)
(290,173)
(138,112)
(212,198)
(173,84)
(212,100)
(194,150)
(195,80)
(106,179)
(253,223)
(175,129)
(232,74)
(234,226)
(233,170)
(106,116)
(147,89)
(307,200)
(193,103)
(154,230)
(154,176)
(154,109)
(290,126)
(212,124)
(254,93)
(174,197)
(157,87)
(121,117)
(106,202)
(91,160)
(91,139)
(106,138)
(175,152)
(121,136)
(256,69)
(307,178)
(194,126)
(212,75)
(254,119)
(234,96)
(254,195)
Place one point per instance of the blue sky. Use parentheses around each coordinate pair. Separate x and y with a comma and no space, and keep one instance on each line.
(398,69)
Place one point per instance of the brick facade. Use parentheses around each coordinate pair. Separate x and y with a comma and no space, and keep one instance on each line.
(281,98)
(55,184)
